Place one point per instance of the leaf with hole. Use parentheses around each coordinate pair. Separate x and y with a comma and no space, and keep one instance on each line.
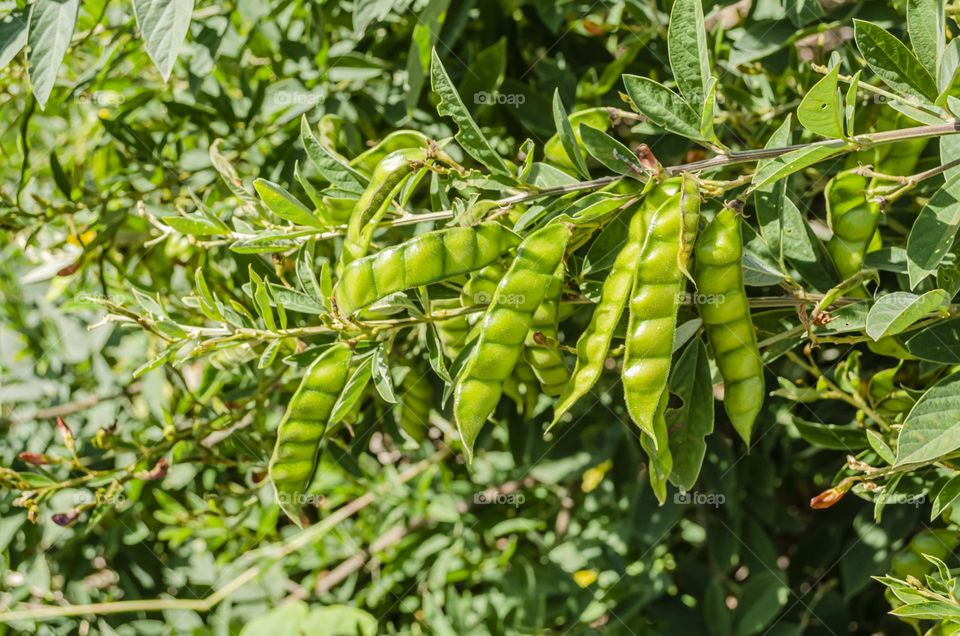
(821,111)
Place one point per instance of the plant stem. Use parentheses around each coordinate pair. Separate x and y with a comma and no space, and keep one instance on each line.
(858,142)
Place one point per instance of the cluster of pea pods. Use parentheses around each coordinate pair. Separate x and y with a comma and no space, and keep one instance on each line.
(513,344)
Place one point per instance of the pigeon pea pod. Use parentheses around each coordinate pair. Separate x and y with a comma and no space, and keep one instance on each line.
(503,328)
(414,403)
(541,351)
(594,342)
(854,214)
(853,217)
(657,285)
(368,160)
(479,289)
(453,332)
(657,448)
(300,432)
(422,260)
(723,306)
(386,182)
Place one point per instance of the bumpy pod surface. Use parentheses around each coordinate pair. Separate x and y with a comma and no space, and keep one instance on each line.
(385,183)
(594,342)
(723,306)
(422,260)
(657,286)
(503,328)
(300,432)
(541,351)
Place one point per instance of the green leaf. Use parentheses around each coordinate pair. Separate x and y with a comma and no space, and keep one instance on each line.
(896,65)
(366,12)
(794,161)
(333,168)
(210,306)
(687,49)
(262,300)
(893,313)
(611,153)
(850,104)
(163,25)
(295,300)
(945,497)
(13,36)
(845,438)
(770,199)
(567,138)
(880,446)
(761,599)
(934,231)
(380,372)
(930,430)
(353,391)
(821,112)
(228,173)
(468,134)
(804,250)
(803,12)
(284,204)
(929,610)
(690,423)
(425,34)
(195,225)
(707,113)
(485,75)
(60,177)
(939,342)
(949,150)
(949,65)
(925,25)
(663,107)
(50,30)
(269,354)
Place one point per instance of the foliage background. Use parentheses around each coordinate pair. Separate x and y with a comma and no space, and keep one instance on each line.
(580,544)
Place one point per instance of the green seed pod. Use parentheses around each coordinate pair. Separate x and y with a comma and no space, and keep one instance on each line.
(853,219)
(300,432)
(938,543)
(594,342)
(424,259)
(657,448)
(482,284)
(541,351)
(722,301)
(521,387)
(385,183)
(452,332)
(369,159)
(503,328)
(657,286)
(553,150)
(414,403)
